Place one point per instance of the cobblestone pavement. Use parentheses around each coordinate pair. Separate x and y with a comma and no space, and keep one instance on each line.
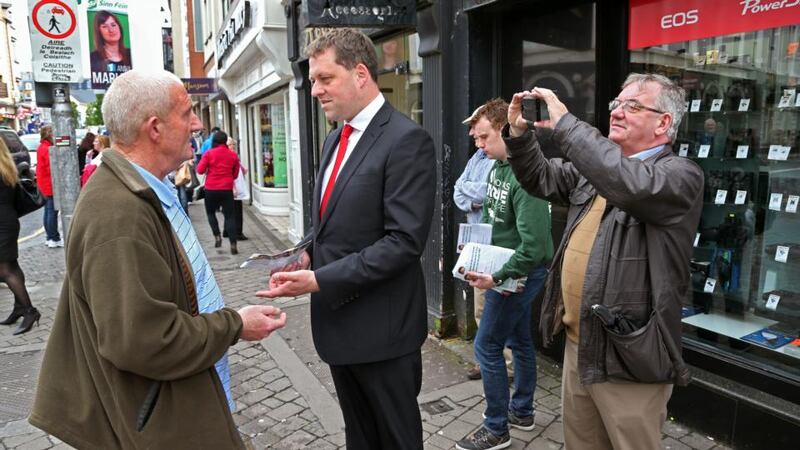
(283,391)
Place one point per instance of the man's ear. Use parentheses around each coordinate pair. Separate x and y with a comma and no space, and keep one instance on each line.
(362,74)
(664,123)
(154,128)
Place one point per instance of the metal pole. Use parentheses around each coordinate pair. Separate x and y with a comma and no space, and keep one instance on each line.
(63,156)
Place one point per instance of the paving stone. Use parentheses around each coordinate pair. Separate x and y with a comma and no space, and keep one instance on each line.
(15,441)
(456,430)
(441,442)
(256,426)
(674,429)
(265,440)
(316,429)
(41,443)
(279,384)
(549,383)
(543,418)
(321,444)
(526,436)
(472,401)
(473,417)
(697,441)
(551,402)
(16,428)
(287,395)
(270,376)
(337,439)
(541,443)
(669,443)
(254,397)
(246,374)
(554,432)
(721,447)
(289,426)
(439,420)
(295,441)
(285,411)
(250,352)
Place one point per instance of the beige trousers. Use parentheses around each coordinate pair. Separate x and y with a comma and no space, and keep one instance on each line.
(480,298)
(610,415)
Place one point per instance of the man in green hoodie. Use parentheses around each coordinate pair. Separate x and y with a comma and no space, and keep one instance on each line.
(522,223)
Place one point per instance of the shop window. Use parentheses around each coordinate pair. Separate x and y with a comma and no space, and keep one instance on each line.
(742,127)
(400,74)
(272,136)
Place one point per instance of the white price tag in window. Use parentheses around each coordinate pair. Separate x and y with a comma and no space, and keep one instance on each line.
(721,196)
(696,239)
(716,105)
(710,284)
(741,151)
(791,203)
(787,99)
(744,104)
(695,106)
(775,201)
(782,253)
(683,150)
(741,196)
(703,151)
(772,301)
(778,152)
(797,101)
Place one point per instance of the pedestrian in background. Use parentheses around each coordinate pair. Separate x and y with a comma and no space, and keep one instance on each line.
(101,143)
(10,271)
(44,181)
(137,353)
(238,211)
(521,223)
(208,143)
(371,216)
(221,167)
(84,150)
(634,210)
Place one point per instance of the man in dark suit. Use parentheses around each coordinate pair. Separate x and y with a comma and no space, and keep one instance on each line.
(372,211)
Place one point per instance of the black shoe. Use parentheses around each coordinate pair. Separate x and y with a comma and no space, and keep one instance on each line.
(520,423)
(12,318)
(474,373)
(217,241)
(30,317)
(224,234)
(483,439)
(234,250)
(242,237)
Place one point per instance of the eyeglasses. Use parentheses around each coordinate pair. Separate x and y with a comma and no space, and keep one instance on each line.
(630,106)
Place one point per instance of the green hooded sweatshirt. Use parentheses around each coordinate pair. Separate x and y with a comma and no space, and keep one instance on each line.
(519,222)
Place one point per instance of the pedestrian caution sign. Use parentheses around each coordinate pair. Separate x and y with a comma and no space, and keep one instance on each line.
(55,42)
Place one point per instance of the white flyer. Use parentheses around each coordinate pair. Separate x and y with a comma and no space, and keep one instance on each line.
(741,151)
(782,253)
(744,104)
(787,99)
(479,233)
(683,150)
(791,203)
(696,239)
(716,105)
(797,101)
(695,106)
(722,194)
(741,196)
(710,284)
(778,152)
(485,259)
(702,152)
(775,200)
(772,302)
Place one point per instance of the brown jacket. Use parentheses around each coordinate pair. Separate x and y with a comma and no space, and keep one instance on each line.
(639,264)
(124,323)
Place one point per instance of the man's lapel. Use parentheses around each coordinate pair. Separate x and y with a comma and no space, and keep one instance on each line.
(367,140)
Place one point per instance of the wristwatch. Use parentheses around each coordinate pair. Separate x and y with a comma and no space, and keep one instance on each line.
(497,281)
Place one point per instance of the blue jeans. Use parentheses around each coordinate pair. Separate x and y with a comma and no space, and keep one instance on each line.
(506,322)
(51,220)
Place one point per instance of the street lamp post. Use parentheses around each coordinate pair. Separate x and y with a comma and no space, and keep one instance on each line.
(63,157)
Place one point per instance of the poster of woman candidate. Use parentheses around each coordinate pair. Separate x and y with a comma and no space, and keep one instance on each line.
(109,41)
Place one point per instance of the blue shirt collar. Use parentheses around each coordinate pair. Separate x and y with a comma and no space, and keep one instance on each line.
(164,189)
(647,153)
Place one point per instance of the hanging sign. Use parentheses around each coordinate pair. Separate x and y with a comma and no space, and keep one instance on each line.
(109,41)
(55,42)
(664,22)
(361,13)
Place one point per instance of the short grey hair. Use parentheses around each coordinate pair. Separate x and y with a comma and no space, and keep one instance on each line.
(134,97)
(671,97)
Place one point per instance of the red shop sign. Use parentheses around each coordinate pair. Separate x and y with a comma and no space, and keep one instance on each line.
(657,22)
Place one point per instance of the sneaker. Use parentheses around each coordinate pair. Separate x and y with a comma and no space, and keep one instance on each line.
(48,243)
(58,243)
(474,373)
(483,439)
(520,423)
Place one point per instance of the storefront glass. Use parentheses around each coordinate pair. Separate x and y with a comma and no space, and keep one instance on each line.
(742,127)
(400,74)
(271,135)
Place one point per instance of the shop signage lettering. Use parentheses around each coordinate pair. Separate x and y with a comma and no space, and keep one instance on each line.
(361,13)
(230,33)
(200,86)
(667,21)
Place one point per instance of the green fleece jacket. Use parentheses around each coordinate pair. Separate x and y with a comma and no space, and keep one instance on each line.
(519,222)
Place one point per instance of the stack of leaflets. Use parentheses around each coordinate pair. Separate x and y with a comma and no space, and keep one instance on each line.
(277,261)
(486,259)
(479,233)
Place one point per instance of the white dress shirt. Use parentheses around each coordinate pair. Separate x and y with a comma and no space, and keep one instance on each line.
(359,124)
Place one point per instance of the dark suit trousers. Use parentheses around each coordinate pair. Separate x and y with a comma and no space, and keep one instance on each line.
(379,403)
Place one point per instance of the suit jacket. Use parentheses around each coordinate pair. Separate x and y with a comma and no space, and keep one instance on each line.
(366,248)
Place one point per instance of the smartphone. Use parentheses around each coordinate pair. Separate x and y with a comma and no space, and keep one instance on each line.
(534,110)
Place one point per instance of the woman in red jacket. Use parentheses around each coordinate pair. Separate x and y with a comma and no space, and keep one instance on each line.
(222,166)
(45,183)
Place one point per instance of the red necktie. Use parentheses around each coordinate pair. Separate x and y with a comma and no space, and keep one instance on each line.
(346,131)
